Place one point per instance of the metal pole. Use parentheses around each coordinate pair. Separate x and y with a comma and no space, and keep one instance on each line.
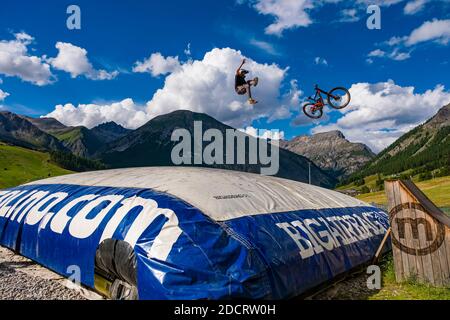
(309,171)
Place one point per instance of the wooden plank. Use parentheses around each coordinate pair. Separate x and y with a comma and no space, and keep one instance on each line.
(443,262)
(409,239)
(401,215)
(447,250)
(435,261)
(415,241)
(427,264)
(398,264)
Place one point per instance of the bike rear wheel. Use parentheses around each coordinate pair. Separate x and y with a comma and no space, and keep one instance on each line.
(339,98)
(312,111)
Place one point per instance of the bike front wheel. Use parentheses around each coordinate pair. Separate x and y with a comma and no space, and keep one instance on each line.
(312,111)
(339,98)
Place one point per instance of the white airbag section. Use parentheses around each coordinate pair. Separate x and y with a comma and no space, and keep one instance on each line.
(220,194)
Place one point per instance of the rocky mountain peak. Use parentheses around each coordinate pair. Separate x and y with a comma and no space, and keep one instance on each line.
(441,119)
(111,125)
(335,134)
(331,151)
(46,124)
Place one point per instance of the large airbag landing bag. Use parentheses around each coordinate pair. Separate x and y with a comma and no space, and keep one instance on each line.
(276,240)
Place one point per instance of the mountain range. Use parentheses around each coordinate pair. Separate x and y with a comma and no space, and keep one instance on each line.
(332,152)
(19,131)
(333,157)
(81,141)
(149,145)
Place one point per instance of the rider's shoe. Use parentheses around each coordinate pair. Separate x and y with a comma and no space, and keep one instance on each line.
(252,101)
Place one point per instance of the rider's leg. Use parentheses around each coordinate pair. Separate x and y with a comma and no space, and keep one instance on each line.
(249,90)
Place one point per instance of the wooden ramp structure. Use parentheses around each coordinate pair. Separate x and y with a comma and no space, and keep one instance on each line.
(420,235)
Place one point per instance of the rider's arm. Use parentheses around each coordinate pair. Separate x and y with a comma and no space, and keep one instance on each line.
(239,69)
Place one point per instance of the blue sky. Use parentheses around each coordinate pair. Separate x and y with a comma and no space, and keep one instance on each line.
(396,85)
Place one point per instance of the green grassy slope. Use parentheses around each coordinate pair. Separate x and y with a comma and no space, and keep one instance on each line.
(423,151)
(79,140)
(438,190)
(19,165)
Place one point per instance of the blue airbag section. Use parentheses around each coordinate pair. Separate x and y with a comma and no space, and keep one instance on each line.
(181,253)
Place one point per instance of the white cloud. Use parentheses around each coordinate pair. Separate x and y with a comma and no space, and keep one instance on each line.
(15,61)
(3,95)
(126,113)
(265,46)
(73,59)
(394,55)
(206,86)
(349,15)
(377,53)
(414,6)
(435,30)
(394,41)
(292,14)
(399,56)
(382,3)
(263,133)
(380,113)
(187,51)
(319,60)
(158,65)
(288,14)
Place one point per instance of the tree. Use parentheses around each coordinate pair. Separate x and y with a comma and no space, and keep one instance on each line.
(365,189)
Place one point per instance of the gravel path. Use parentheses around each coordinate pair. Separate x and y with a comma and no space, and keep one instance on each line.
(22,279)
(354,287)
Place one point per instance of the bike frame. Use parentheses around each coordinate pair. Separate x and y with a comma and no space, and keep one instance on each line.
(318,99)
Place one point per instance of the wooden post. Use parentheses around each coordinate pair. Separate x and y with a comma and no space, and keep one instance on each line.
(420,235)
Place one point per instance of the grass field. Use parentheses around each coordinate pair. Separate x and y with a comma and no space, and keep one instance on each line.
(409,290)
(19,165)
(438,190)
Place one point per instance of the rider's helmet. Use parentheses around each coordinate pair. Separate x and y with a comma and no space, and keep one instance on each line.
(243,72)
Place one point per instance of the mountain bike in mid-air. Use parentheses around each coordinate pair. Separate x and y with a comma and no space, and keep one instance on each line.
(337,98)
